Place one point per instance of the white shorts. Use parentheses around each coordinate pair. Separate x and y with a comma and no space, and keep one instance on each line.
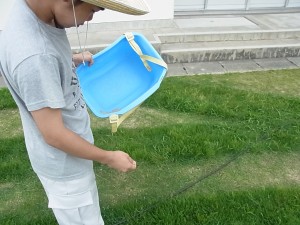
(74,202)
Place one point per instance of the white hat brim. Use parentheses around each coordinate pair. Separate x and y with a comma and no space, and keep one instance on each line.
(132,7)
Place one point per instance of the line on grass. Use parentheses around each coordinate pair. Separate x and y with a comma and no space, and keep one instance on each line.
(188,186)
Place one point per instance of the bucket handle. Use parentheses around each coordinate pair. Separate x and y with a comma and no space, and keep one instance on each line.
(130,38)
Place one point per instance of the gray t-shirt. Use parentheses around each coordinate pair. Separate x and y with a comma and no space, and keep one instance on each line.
(36,61)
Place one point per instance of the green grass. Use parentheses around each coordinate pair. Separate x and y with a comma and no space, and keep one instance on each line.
(6,101)
(187,129)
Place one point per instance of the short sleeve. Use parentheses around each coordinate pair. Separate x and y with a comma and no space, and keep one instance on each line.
(38,79)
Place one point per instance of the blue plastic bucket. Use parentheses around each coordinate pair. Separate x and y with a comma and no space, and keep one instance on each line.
(118,80)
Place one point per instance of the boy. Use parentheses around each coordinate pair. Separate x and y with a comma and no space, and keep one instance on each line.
(36,62)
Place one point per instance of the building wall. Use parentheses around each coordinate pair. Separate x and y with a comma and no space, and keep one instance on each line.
(160,9)
(200,5)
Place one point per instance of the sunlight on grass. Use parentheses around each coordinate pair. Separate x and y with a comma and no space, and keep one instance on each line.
(284,82)
(146,117)
(10,124)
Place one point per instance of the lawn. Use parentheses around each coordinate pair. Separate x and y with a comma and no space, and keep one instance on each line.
(211,149)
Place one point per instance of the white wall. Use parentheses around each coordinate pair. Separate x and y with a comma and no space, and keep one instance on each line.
(160,9)
(186,5)
(294,3)
(224,5)
(5,7)
(266,3)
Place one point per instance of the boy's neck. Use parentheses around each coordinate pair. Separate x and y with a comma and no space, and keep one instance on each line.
(43,10)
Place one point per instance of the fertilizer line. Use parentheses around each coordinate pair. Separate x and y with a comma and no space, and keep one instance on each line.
(186,187)
(213,172)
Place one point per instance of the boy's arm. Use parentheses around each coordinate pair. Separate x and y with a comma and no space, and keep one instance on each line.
(50,123)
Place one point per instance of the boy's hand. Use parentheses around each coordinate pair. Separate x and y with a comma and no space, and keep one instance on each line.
(86,56)
(120,161)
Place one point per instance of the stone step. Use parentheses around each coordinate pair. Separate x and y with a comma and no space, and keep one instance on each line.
(97,41)
(210,46)
(246,35)
(229,50)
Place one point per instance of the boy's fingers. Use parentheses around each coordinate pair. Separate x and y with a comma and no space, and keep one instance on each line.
(133,165)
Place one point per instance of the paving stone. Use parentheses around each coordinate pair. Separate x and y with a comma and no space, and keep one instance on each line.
(275,63)
(176,70)
(240,66)
(295,60)
(204,68)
